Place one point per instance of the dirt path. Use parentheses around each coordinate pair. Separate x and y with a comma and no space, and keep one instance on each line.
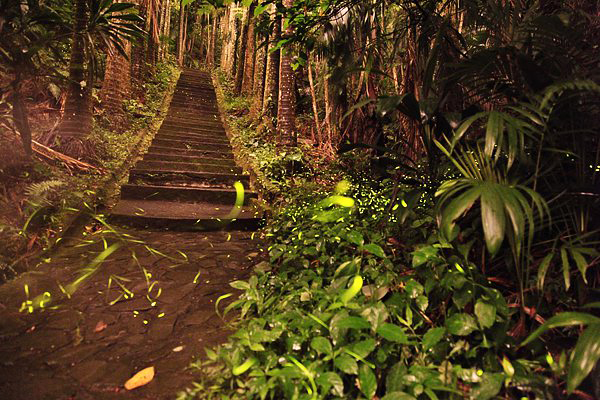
(87,348)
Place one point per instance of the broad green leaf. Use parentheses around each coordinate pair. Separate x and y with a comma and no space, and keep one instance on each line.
(367,381)
(457,207)
(424,254)
(560,320)
(486,313)
(489,386)
(375,314)
(422,302)
(413,288)
(461,324)
(355,237)
(364,347)
(393,333)
(398,396)
(331,380)
(432,337)
(353,323)
(393,380)
(346,364)
(493,218)
(585,356)
(260,9)
(241,285)
(321,345)
(374,249)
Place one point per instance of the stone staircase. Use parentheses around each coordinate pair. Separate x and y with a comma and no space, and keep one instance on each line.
(186,179)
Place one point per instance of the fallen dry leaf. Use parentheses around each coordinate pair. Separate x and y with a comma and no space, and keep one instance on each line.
(140,379)
(100,326)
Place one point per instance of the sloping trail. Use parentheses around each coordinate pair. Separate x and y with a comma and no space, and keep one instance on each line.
(92,342)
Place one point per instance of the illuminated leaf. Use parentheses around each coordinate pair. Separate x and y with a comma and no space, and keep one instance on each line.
(140,379)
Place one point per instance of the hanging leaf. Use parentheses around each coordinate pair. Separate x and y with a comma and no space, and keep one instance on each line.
(585,356)
(461,324)
(367,381)
(560,320)
(486,313)
(393,333)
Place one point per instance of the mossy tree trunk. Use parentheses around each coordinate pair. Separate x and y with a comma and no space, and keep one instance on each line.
(77,118)
(286,106)
(272,74)
(248,81)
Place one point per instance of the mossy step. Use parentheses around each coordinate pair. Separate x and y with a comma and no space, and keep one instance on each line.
(192,137)
(183,216)
(189,159)
(183,144)
(183,177)
(160,150)
(223,196)
(187,167)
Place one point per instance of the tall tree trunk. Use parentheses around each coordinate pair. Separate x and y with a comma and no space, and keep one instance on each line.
(20,114)
(272,74)
(116,86)
(233,58)
(314,101)
(248,82)
(212,44)
(286,109)
(239,74)
(260,70)
(137,52)
(225,37)
(77,118)
(181,36)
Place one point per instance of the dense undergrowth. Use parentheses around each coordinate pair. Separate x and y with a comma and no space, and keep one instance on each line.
(53,195)
(365,296)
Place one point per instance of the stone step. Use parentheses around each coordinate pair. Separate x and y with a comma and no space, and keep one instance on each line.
(182,144)
(208,133)
(191,88)
(199,128)
(207,98)
(192,106)
(160,150)
(187,167)
(195,123)
(186,109)
(192,137)
(185,194)
(189,159)
(186,178)
(193,116)
(173,215)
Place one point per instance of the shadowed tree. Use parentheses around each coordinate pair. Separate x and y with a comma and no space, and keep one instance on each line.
(272,71)
(95,22)
(248,79)
(285,110)
(77,117)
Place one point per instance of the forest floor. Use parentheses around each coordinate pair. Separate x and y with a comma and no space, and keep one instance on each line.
(86,348)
